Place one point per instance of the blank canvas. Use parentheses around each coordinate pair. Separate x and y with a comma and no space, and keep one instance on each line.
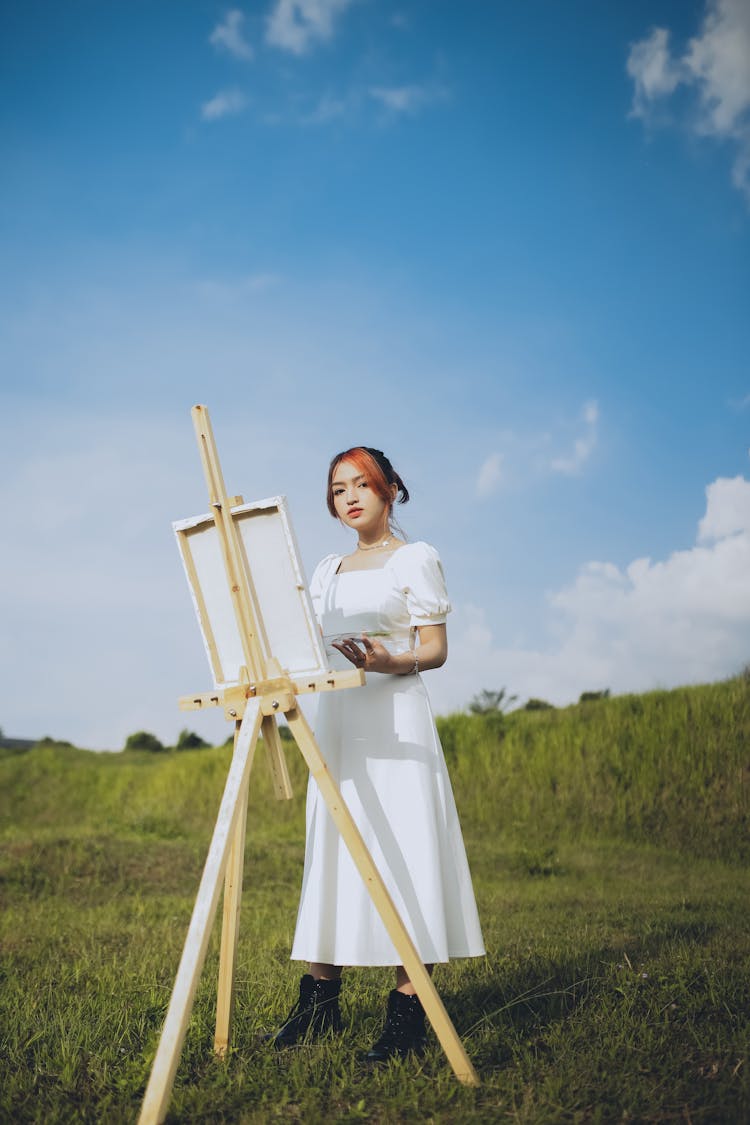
(288,629)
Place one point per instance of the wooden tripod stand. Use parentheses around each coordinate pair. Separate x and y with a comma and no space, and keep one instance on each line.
(264,690)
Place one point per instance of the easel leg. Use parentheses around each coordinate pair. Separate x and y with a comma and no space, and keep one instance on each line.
(196,943)
(420,978)
(230,927)
(276,760)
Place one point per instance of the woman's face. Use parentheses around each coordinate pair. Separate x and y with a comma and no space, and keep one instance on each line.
(356,503)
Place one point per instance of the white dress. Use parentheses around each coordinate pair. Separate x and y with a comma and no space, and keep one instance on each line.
(382,748)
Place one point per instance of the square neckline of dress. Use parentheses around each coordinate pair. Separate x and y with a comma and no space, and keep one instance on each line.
(366,569)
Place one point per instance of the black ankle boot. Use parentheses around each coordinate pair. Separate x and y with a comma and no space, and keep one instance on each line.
(403,1032)
(315,1013)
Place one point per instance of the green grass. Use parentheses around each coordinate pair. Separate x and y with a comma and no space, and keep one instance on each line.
(669,767)
(616,985)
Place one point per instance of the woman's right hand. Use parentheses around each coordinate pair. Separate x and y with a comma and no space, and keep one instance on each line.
(372,656)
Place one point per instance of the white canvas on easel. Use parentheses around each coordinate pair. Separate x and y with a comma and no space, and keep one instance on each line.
(291,632)
(264,650)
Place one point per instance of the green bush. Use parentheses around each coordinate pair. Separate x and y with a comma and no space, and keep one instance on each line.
(144,740)
(538,705)
(189,740)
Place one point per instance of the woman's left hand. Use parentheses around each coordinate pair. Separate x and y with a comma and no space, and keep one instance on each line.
(372,656)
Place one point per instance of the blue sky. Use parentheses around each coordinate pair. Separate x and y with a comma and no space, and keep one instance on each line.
(508,243)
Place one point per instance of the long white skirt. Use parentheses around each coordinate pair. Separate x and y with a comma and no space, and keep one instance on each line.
(382,748)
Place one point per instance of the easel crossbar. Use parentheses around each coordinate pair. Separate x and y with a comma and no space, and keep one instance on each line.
(233,699)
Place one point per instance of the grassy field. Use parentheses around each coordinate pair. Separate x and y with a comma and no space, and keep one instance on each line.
(607,844)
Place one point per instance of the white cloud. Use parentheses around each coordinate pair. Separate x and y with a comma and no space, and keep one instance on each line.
(328,108)
(716,66)
(297,25)
(741,167)
(652,69)
(317,110)
(103,513)
(654,624)
(719,60)
(407,99)
(583,446)
(228,36)
(727,509)
(392,101)
(490,475)
(591,413)
(247,286)
(223,104)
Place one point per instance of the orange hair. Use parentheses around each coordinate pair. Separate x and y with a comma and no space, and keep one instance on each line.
(375,468)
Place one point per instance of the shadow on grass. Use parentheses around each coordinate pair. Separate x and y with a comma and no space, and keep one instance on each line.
(527,1004)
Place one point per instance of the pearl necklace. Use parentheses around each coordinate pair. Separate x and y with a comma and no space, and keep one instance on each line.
(377,546)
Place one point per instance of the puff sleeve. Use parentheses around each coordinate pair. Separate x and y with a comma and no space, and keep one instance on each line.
(420,573)
(322,575)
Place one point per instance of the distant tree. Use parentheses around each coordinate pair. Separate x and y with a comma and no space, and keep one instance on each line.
(143,740)
(491,702)
(592,696)
(538,705)
(189,740)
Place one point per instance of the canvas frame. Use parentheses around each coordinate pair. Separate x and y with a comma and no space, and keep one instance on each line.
(270,557)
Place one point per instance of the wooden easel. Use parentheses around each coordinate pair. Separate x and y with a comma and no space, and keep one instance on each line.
(253,706)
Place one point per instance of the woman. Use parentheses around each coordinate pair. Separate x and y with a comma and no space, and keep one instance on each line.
(382,608)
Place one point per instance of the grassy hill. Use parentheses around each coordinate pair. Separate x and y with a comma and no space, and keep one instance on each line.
(669,768)
(606,842)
